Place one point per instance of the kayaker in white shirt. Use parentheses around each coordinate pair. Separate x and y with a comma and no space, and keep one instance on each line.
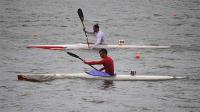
(99,35)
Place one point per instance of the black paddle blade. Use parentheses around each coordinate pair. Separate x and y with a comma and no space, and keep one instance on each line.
(80,14)
(73,55)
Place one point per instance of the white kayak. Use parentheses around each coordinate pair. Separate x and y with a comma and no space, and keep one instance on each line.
(118,77)
(85,46)
(47,77)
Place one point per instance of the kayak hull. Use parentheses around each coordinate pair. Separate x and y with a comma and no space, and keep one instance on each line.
(87,76)
(117,77)
(85,46)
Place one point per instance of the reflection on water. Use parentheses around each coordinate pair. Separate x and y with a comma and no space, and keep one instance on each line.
(107,84)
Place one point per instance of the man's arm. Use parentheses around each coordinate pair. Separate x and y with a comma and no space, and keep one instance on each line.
(88,32)
(94,62)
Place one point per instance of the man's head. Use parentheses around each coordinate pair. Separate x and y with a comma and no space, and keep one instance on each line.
(103,53)
(96,28)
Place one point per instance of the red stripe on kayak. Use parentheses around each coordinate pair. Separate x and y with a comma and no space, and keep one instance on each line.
(56,48)
(48,47)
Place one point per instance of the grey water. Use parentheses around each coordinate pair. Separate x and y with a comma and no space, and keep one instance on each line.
(139,22)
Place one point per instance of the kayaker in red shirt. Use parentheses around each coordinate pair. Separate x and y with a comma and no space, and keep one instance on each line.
(106,61)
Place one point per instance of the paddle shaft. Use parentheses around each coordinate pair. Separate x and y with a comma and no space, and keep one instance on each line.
(81,16)
(88,64)
(84,30)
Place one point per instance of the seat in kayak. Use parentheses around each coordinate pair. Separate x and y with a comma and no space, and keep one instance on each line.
(98,73)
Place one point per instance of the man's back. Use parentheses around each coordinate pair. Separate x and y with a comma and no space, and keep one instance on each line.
(100,38)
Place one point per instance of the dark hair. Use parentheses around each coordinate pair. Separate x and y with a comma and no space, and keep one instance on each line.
(96,26)
(103,50)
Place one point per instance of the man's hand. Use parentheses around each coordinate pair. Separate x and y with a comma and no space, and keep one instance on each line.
(101,69)
(85,62)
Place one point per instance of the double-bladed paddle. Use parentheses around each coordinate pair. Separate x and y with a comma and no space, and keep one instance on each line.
(76,56)
(80,14)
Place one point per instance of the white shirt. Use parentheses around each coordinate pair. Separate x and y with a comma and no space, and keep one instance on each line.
(100,38)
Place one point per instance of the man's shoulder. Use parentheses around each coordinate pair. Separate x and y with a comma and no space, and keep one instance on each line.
(101,32)
(109,58)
